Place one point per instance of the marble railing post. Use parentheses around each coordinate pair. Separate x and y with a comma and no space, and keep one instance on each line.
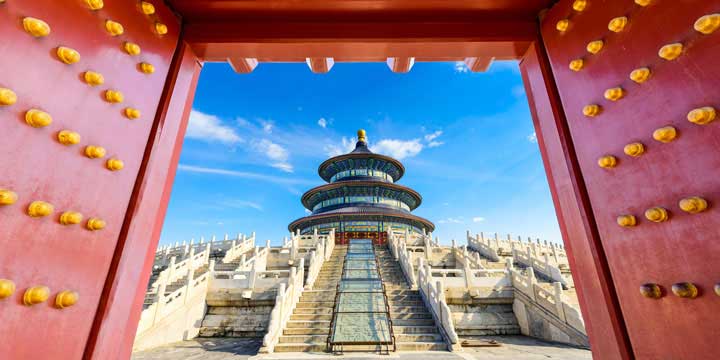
(207,252)
(171,267)
(509,264)
(452,242)
(553,249)
(294,247)
(468,274)
(252,276)
(160,298)
(558,300)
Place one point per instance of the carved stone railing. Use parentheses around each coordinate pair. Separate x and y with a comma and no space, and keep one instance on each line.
(546,259)
(468,259)
(285,302)
(433,294)
(399,251)
(181,250)
(239,247)
(541,266)
(551,301)
(471,278)
(483,247)
(176,271)
(497,246)
(248,279)
(317,258)
(167,304)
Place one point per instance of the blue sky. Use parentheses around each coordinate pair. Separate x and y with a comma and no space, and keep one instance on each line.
(255,141)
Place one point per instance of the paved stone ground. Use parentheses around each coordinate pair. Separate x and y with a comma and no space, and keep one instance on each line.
(513,347)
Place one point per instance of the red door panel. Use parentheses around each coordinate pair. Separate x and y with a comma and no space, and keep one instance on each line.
(685,248)
(36,166)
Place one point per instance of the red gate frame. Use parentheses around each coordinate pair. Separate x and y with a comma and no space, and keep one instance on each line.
(119,311)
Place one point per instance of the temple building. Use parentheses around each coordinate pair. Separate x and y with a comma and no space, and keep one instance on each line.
(361,198)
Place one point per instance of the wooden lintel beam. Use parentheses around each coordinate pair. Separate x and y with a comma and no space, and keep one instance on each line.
(320,65)
(243,65)
(478,64)
(265,32)
(400,64)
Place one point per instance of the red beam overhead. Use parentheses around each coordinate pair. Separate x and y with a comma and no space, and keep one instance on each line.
(360,42)
(347,10)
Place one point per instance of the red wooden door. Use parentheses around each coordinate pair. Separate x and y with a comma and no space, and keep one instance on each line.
(40,251)
(684,247)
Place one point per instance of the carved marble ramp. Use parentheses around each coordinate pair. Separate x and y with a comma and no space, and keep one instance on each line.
(361,316)
(309,328)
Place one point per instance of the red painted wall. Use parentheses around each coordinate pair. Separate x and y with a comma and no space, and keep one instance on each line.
(592,280)
(685,247)
(41,251)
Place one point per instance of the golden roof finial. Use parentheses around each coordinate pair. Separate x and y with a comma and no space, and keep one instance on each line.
(361,135)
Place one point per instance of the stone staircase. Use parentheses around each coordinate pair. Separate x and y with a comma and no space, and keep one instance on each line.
(309,325)
(170,288)
(570,294)
(413,325)
(232,265)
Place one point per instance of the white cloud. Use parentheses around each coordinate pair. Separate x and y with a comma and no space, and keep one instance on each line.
(239,204)
(451,220)
(246,175)
(322,122)
(432,139)
(532,137)
(276,153)
(478,219)
(347,145)
(209,128)
(433,136)
(267,126)
(461,67)
(399,149)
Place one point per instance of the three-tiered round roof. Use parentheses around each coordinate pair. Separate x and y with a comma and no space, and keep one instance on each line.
(361,197)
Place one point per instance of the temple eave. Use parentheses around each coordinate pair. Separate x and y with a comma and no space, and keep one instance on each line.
(371,216)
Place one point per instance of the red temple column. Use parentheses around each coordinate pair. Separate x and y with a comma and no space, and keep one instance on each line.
(117,317)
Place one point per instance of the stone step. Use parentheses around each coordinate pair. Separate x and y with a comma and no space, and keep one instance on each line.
(303,339)
(327,317)
(314,304)
(323,294)
(414,322)
(287,347)
(418,338)
(421,346)
(306,331)
(407,309)
(392,298)
(402,292)
(313,311)
(311,324)
(415,329)
(399,316)
(415,303)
